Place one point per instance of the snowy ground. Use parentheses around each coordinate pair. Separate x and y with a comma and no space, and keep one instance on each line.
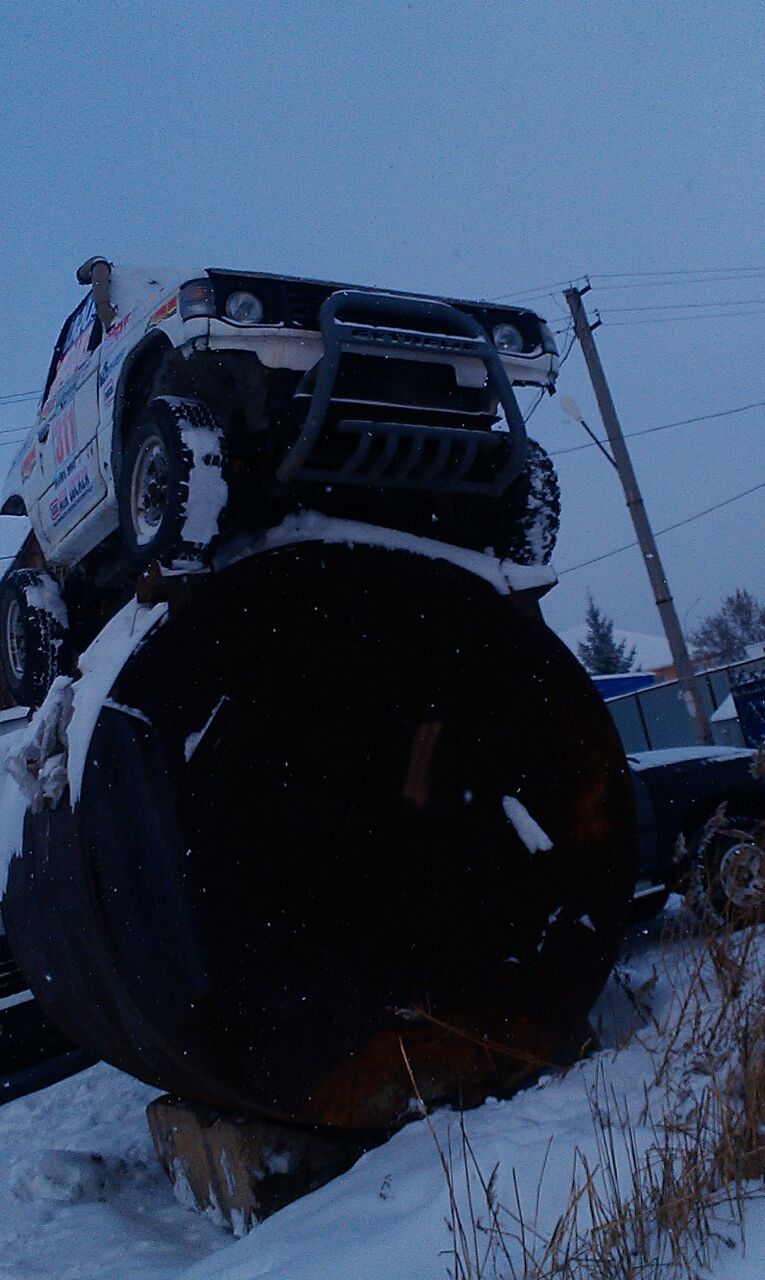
(83,1197)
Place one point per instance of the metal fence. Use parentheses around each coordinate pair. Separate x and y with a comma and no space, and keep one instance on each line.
(655,718)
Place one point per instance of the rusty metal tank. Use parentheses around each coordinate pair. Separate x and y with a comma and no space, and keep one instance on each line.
(347,804)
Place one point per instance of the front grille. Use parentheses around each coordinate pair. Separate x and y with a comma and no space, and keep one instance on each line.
(417,384)
(303,302)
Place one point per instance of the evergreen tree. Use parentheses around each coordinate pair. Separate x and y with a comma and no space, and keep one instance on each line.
(599,652)
(725,634)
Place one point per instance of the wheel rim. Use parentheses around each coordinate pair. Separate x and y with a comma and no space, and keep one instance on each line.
(742,875)
(15,644)
(149,490)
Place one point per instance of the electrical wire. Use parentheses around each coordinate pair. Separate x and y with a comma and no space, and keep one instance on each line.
(674,271)
(715,315)
(664,426)
(570,346)
(698,515)
(569,329)
(540,289)
(534,406)
(7,431)
(690,276)
(9,434)
(674,284)
(19,397)
(677,306)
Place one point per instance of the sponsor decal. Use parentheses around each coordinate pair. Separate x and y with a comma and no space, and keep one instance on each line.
(108,367)
(71,362)
(58,398)
(117,328)
(28,462)
(164,311)
(74,484)
(107,392)
(64,436)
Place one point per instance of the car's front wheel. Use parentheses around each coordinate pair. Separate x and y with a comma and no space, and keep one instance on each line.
(730,861)
(522,526)
(34,646)
(172,491)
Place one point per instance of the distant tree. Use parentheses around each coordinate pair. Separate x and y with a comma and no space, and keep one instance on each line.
(725,634)
(599,652)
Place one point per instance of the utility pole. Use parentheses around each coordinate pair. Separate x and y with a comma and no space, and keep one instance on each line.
(643,532)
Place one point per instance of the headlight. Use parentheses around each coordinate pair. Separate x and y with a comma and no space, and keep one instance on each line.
(508,338)
(244,308)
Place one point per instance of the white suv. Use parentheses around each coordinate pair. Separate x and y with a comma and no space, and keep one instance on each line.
(180,405)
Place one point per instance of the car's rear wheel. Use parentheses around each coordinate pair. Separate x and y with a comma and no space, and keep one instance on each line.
(172,491)
(34,646)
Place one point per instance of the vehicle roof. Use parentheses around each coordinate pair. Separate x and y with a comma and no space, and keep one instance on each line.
(639,760)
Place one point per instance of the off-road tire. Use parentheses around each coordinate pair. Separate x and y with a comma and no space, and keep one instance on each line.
(728,875)
(521,526)
(527,526)
(34,634)
(172,491)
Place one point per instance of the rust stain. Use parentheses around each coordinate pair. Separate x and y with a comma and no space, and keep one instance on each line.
(417,781)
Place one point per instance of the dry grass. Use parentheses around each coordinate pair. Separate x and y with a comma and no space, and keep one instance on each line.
(665,1189)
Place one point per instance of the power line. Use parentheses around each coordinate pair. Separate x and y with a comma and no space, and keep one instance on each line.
(9,431)
(18,397)
(673,271)
(667,529)
(665,426)
(534,406)
(715,315)
(563,359)
(674,284)
(642,279)
(540,289)
(676,306)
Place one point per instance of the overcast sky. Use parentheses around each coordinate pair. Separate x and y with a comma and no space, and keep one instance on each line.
(478,148)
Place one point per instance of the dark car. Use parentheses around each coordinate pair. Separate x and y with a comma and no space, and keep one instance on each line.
(677,792)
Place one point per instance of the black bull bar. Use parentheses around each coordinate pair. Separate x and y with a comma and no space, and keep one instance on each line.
(414,455)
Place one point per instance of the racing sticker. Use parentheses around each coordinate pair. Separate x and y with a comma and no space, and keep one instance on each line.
(28,462)
(111,364)
(164,312)
(117,328)
(64,436)
(71,488)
